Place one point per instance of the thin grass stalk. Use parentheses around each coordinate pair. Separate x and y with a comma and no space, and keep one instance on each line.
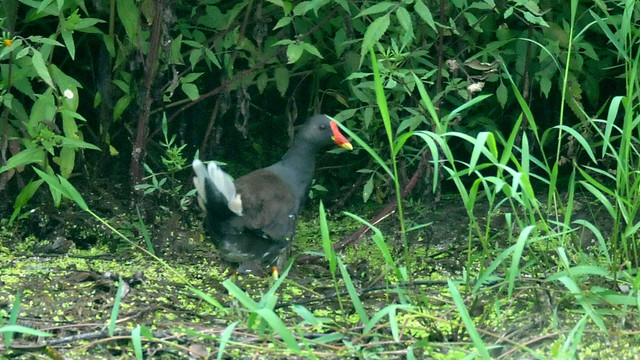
(384,112)
(329,253)
(572,22)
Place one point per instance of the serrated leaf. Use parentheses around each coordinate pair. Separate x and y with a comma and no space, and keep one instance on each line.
(501,94)
(311,49)
(375,9)
(281,75)
(535,19)
(41,67)
(404,18)
(425,14)
(374,32)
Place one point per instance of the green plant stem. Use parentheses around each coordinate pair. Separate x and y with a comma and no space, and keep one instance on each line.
(564,94)
(384,112)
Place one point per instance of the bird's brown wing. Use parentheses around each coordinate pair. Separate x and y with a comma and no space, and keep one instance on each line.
(268,205)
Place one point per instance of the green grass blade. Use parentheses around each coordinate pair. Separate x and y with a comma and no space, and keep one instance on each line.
(514,270)
(145,232)
(23,330)
(367,148)
(467,321)
(116,307)
(13,318)
(353,293)
(240,295)
(326,240)
(224,339)
(280,328)
(136,340)
(209,299)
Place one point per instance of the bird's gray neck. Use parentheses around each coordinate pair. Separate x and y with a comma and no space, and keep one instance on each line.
(296,169)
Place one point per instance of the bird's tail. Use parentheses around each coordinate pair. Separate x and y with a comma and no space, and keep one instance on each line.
(216,192)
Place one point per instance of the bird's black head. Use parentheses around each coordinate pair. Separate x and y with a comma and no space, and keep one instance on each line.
(321,131)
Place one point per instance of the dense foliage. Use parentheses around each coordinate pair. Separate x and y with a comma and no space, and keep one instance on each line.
(522,105)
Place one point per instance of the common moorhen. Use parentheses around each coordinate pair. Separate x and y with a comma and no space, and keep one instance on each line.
(252,220)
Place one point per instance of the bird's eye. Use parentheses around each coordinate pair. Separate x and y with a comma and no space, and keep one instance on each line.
(323,126)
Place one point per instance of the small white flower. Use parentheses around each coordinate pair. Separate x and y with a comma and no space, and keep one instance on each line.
(475,87)
(68,94)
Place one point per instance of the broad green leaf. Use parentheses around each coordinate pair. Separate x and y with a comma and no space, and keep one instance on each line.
(301,8)
(545,86)
(41,67)
(62,186)
(375,9)
(85,23)
(77,144)
(24,157)
(404,18)
(281,75)
(374,32)
(68,88)
(310,49)
(194,57)
(294,51)
(120,106)
(282,22)
(23,198)
(537,20)
(501,94)
(45,40)
(212,57)
(129,16)
(67,161)
(191,90)
(67,37)
(425,14)
(262,81)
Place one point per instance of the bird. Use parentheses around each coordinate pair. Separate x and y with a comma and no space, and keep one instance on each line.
(252,220)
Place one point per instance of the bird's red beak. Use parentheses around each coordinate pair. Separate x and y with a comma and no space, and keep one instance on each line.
(338,137)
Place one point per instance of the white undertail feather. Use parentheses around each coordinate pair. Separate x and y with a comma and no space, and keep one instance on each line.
(222,182)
